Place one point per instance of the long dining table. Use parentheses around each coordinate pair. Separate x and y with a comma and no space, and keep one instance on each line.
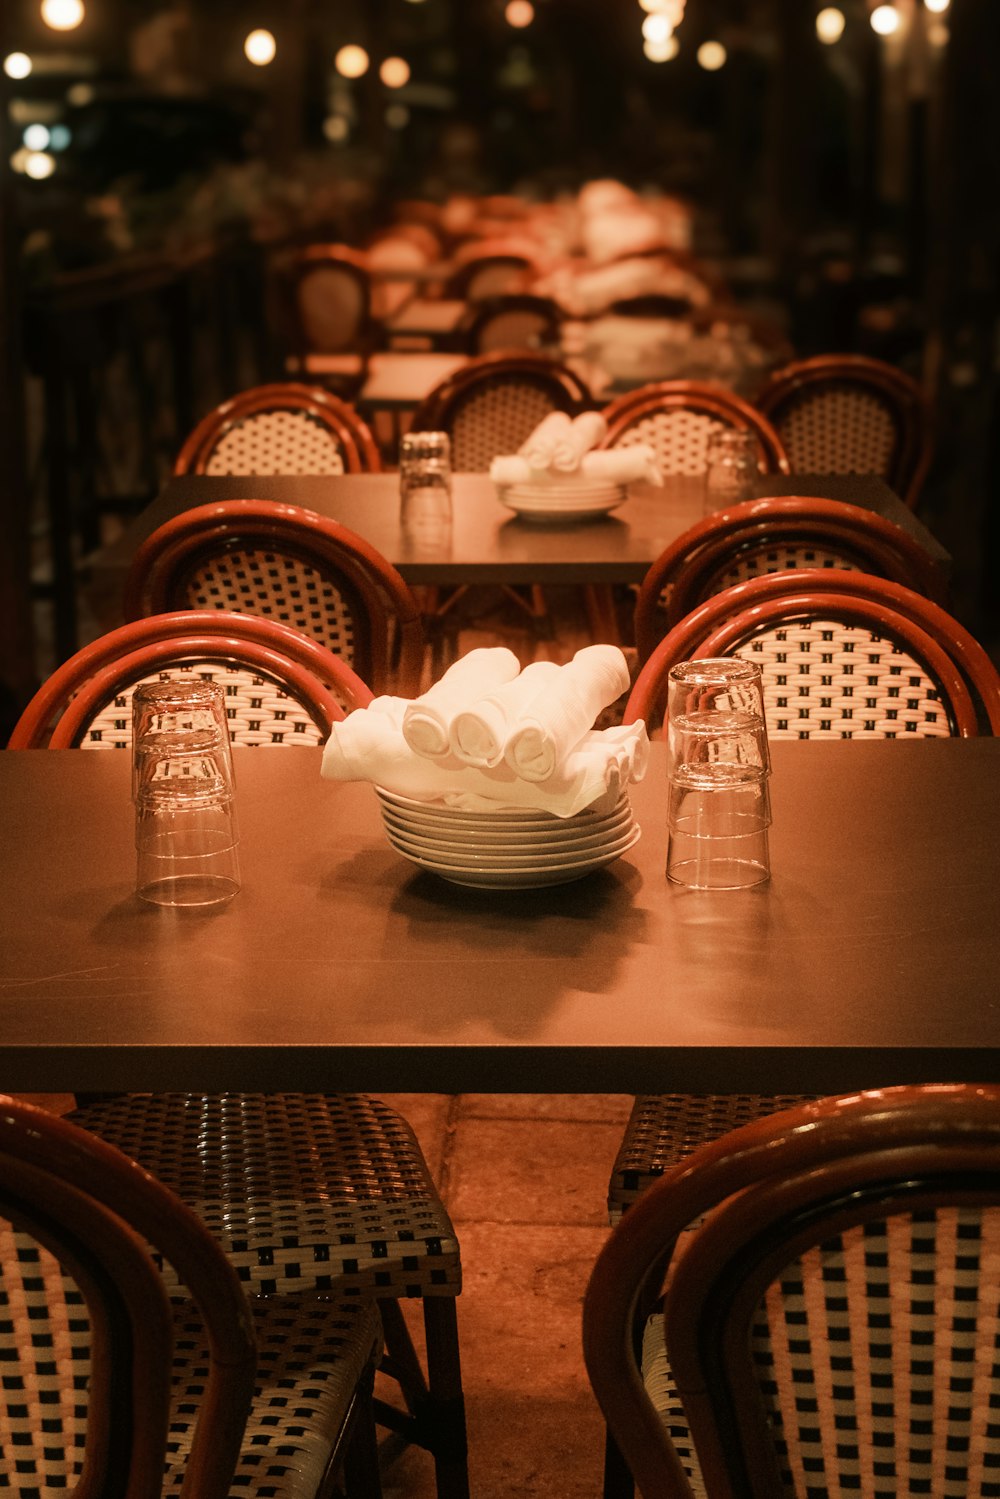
(489,543)
(871,957)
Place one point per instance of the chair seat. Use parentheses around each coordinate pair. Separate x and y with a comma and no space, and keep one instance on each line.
(312,1353)
(663,1128)
(302,1191)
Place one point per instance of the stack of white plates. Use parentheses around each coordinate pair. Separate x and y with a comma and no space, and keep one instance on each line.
(509,847)
(574,500)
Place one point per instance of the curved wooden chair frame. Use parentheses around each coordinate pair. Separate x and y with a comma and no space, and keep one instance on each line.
(388,630)
(478,317)
(897,392)
(958,664)
(60,711)
(351,433)
(292,269)
(794,1179)
(665,396)
(565,389)
(688,567)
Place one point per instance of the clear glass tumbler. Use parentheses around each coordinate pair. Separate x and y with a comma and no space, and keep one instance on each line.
(425,490)
(186,836)
(732,465)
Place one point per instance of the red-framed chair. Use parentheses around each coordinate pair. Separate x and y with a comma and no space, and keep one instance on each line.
(774,534)
(797,1307)
(283,428)
(113,1386)
(676,419)
(851,414)
(286,562)
(921,672)
(282,687)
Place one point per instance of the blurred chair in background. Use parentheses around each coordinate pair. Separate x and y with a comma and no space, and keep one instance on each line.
(514,321)
(321,309)
(286,428)
(849,414)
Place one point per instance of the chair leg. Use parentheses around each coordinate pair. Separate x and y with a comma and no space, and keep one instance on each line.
(436,1404)
(361,1477)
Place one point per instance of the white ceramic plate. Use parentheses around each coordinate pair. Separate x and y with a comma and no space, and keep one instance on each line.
(542,838)
(483,860)
(525,879)
(504,819)
(504,850)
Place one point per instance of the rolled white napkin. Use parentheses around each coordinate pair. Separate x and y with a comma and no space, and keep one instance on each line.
(555,722)
(622,465)
(369,746)
(585,431)
(539,445)
(511,469)
(426,723)
(480,732)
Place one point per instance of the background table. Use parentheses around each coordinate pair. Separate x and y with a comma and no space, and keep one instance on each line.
(871,957)
(490,544)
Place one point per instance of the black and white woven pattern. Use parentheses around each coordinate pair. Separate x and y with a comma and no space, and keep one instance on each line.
(496,418)
(781,557)
(258,710)
(303,1191)
(874,1353)
(254,580)
(838,429)
(277,442)
(678,438)
(311,1356)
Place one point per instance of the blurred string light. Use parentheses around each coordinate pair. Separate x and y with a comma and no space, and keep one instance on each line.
(657,29)
(336,128)
(885,19)
(80,94)
(662,51)
(39,165)
(937,6)
(36,137)
(62,15)
(830,25)
(519,13)
(711,56)
(938,34)
(394,72)
(59,137)
(260,47)
(351,61)
(17,64)
(672,9)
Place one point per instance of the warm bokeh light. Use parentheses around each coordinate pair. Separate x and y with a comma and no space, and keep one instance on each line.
(937,6)
(397,117)
(80,95)
(938,34)
(394,72)
(657,29)
(830,24)
(17,64)
(885,19)
(62,15)
(36,137)
(672,9)
(711,56)
(336,128)
(662,51)
(519,13)
(260,47)
(39,164)
(351,61)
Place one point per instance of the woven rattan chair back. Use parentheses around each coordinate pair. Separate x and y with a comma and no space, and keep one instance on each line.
(843,655)
(677,417)
(321,300)
(289,564)
(491,268)
(286,428)
(830,1322)
(849,414)
(510,323)
(495,401)
(281,687)
(774,534)
(106,1382)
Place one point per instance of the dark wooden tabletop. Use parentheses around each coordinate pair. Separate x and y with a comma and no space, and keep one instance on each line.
(872,956)
(490,544)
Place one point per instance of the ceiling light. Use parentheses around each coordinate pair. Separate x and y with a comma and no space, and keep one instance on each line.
(885,19)
(662,51)
(711,56)
(519,13)
(394,72)
(937,6)
(260,47)
(657,29)
(39,164)
(62,15)
(351,61)
(17,64)
(830,25)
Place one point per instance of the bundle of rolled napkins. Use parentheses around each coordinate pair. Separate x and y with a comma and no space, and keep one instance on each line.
(489,734)
(563,450)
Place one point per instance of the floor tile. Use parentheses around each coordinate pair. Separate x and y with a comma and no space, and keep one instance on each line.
(530,1171)
(579,1108)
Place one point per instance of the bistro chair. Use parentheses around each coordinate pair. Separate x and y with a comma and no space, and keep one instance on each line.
(490,268)
(850,414)
(288,563)
(287,428)
(511,321)
(773,535)
(330,1190)
(816,1296)
(281,686)
(321,306)
(677,417)
(134,1363)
